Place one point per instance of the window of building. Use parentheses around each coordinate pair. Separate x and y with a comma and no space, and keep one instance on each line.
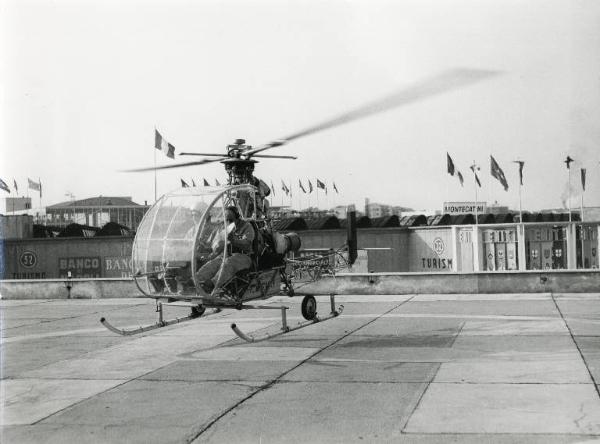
(587,246)
(500,249)
(546,248)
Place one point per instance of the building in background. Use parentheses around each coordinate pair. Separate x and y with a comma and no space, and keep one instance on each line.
(373,209)
(15,205)
(96,212)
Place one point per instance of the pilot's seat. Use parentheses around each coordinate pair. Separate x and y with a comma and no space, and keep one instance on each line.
(263,257)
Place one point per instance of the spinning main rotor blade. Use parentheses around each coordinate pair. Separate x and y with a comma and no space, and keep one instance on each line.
(444,82)
(221,155)
(201,154)
(267,156)
(177,165)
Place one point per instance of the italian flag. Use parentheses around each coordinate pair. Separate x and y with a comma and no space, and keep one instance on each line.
(161,144)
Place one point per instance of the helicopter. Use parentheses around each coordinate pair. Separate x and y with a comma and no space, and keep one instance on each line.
(188,228)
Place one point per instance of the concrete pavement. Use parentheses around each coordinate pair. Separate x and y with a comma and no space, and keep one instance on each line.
(414,368)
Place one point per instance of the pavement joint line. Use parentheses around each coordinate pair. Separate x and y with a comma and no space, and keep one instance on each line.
(47,320)
(577,346)
(315,381)
(84,332)
(511,434)
(460,329)
(42,378)
(95,394)
(76,403)
(195,434)
(24,305)
(402,429)
(506,383)
(109,346)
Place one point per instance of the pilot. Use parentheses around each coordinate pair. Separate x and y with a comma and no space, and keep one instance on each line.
(241,239)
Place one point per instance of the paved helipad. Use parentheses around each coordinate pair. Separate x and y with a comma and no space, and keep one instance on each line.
(423,369)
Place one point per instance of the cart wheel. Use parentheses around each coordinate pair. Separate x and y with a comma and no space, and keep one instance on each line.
(198,311)
(309,307)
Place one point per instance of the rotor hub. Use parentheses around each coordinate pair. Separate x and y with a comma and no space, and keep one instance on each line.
(239,170)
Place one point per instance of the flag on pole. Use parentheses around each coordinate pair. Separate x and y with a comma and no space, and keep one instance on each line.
(321,185)
(16,187)
(460,178)
(217,182)
(284,187)
(474,168)
(36,186)
(310,187)
(184,184)
(568,161)
(162,145)
(40,182)
(583,179)
(272,188)
(193,183)
(4,187)
(521,163)
(301,186)
(335,188)
(498,173)
(450,164)
(206,184)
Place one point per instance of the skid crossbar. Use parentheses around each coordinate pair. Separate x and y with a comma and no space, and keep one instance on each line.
(284,327)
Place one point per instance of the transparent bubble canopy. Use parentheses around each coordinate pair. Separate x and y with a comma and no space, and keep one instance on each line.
(182,229)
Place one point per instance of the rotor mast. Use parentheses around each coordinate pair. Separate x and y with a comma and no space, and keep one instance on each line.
(239,170)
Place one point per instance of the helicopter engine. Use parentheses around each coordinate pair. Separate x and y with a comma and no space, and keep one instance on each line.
(286,243)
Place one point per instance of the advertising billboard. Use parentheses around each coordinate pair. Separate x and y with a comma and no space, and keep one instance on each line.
(464,207)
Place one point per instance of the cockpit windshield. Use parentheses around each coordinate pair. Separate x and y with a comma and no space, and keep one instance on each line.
(181,231)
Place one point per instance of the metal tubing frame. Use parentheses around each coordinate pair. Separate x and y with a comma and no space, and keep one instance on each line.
(161,322)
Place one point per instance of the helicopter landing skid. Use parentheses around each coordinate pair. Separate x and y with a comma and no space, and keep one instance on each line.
(197,313)
(284,327)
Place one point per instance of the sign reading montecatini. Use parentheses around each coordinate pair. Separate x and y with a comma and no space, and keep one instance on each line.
(464,207)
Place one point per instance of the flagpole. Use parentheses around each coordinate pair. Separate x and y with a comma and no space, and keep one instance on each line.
(476,215)
(581,234)
(154,172)
(475,180)
(518,162)
(317,197)
(520,205)
(569,193)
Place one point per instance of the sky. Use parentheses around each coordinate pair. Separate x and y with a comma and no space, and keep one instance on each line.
(85,83)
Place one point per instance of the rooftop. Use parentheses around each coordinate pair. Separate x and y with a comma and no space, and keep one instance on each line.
(100,201)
